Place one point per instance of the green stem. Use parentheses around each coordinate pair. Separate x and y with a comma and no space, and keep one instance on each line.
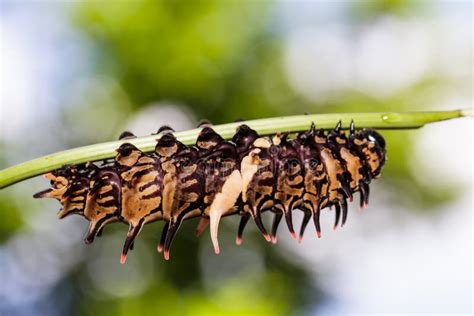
(298,123)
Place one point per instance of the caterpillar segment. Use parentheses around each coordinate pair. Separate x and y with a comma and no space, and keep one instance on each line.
(69,185)
(315,180)
(369,146)
(289,184)
(166,148)
(244,139)
(245,176)
(355,163)
(183,188)
(223,180)
(103,201)
(60,181)
(257,183)
(142,188)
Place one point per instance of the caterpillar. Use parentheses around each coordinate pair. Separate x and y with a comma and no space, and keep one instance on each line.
(245,176)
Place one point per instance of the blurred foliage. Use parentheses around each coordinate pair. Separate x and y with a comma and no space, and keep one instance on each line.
(269,297)
(223,61)
(369,9)
(11,219)
(11,215)
(93,102)
(216,56)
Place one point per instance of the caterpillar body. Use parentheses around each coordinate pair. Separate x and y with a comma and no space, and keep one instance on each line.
(245,176)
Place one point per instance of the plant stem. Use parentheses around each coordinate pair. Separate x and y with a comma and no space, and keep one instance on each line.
(268,126)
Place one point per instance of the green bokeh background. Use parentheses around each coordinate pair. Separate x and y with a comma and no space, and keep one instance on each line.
(221,61)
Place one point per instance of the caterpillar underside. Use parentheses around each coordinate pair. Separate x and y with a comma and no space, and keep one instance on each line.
(214,178)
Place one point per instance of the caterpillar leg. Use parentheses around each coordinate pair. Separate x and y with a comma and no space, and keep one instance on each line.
(92,231)
(201,227)
(133,231)
(257,217)
(364,191)
(317,225)
(163,237)
(171,232)
(95,229)
(243,221)
(345,186)
(289,223)
(367,194)
(362,198)
(344,212)
(304,223)
(337,208)
(276,222)
(63,213)
(288,218)
(316,215)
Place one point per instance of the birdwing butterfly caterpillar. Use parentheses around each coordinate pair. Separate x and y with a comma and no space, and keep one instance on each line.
(244,176)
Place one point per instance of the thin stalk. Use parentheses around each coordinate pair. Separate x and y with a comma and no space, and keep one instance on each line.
(268,126)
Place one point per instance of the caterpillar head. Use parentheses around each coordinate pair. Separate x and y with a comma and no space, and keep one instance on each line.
(373,147)
(374,137)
